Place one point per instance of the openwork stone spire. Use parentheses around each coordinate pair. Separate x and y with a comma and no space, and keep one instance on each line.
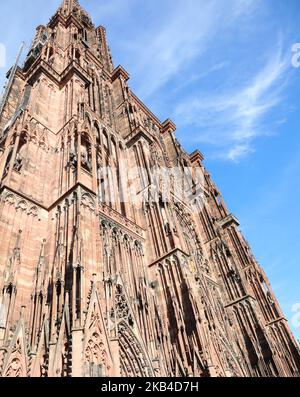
(68,5)
(73,7)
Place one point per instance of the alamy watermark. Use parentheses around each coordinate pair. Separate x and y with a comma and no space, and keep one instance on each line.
(296,55)
(141,187)
(2,315)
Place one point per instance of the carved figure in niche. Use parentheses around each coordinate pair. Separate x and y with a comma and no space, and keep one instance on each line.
(85,158)
(14,370)
(156,160)
(147,123)
(20,156)
(122,310)
(73,159)
(6,169)
(43,366)
(233,274)
(85,153)
(72,143)
(270,298)
(18,162)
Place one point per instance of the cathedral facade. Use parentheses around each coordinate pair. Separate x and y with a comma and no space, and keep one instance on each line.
(118,256)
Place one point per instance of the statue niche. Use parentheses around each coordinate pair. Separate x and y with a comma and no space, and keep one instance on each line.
(86,153)
(18,161)
(73,144)
(20,156)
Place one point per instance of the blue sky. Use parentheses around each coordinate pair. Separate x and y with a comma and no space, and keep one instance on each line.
(221,69)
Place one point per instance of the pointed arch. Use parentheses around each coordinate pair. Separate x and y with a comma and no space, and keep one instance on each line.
(97,358)
(40,366)
(20,154)
(133,359)
(60,365)
(16,360)
(86,151)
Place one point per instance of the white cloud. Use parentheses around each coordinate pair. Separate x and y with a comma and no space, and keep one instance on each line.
(183,37)
(174,48)
(201,75)
(239,151)
(232,119)
(177,37)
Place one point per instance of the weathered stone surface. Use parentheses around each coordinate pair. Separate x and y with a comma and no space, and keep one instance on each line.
(106,268)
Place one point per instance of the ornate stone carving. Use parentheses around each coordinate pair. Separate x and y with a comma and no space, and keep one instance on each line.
(175,289)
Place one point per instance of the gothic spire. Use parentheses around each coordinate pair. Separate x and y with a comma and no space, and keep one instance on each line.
(72,6)
(68,5)
(40,266)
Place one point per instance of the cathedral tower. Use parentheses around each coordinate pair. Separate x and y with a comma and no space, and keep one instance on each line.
(118,256)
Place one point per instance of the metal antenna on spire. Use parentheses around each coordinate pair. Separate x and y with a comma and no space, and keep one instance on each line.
(7,87)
